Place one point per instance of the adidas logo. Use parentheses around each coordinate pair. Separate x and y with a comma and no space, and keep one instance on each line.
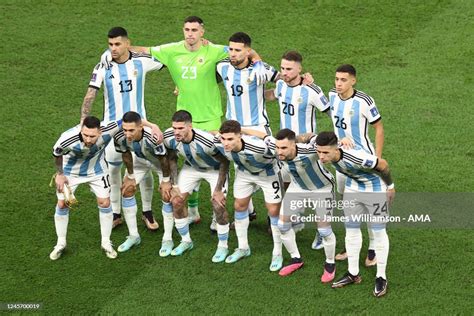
(111,77)
(226,78)
(277,196)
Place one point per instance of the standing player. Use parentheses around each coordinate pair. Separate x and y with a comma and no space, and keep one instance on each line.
(255,166)
(369,189)
(149,155)
(298,104)
(202,162)
(193,69)
(245,98)
(124,86)
(79,158)
(352,111)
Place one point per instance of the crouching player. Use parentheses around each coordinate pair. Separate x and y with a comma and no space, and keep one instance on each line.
(148,155)
(202,161)
(369,189)
(79,158)
(310,181)
(255,166)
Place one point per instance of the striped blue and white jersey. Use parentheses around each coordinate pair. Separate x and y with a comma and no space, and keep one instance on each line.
(124,85)
(255,157)
(82,161)
(145,148)
(199,153)
(305,169)
(358,165)
(245,100)
(351,117)
(298,105)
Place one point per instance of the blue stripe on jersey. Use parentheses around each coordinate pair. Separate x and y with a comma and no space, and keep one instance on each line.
(139,69)
(137,149)
(110,94)
(71,161)
(85,165)
(236,158)
(340,113)
(205,157)
(98,168)
(311,173)
(376,184)
(237,99)
(173,143)
(225,70)
(125,87)
(302,109)
(296,176)
(355,123)
(189,155)
(288,97)
(253,99)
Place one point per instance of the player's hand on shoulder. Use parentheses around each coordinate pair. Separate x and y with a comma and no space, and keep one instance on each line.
(258,73)
(307,79)
(157,134)
(106,59)
(346,143)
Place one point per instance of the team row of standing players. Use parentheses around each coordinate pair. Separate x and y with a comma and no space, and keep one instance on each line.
(192,65)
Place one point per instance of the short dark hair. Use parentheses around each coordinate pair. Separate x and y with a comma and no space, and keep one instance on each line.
(182,116)
(241,37)
(326,139)
(347,68)
(132,117)
(194,19)
(91,122)
(230,126)
(117,31)
(293,55)
(285,134)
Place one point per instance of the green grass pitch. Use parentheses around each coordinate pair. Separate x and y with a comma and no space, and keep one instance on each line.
(415,58)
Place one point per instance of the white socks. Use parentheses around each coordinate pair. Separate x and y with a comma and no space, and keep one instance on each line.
(353,245)
(382,246)
(168,221)
(129,206)
(182,226)
(61,220)
(241,228)
(222,235)
(105,220)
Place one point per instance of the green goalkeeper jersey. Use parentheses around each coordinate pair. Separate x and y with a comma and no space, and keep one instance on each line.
(194,73)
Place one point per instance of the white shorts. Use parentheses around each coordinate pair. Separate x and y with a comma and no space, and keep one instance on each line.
(111,155)
(245,184)
(99,185)
(190,177)
(297,200)
(374,204)
(141,167)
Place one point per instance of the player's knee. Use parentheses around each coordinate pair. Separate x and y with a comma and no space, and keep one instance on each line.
(240,205)
(129,192)
(178,203)
(61,204)
(103,203)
